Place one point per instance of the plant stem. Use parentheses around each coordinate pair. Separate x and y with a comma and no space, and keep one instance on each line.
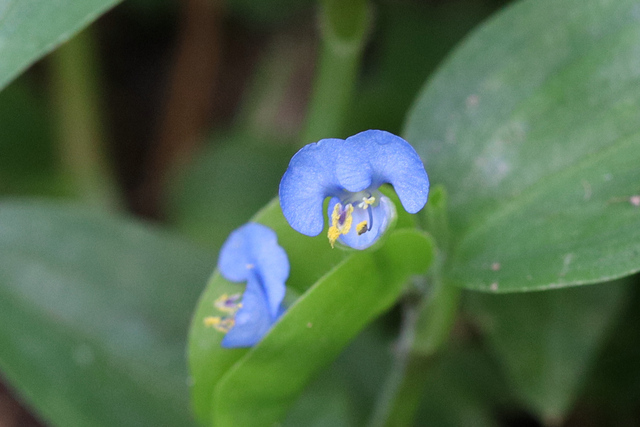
(426,327)
(75,91)
(427,323)
(396,380)
(344,27)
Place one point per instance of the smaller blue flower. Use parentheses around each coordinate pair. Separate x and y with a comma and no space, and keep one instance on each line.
(251,254)
(350,172)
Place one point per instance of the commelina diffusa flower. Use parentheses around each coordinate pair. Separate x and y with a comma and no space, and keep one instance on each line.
(350,172)
(251,254)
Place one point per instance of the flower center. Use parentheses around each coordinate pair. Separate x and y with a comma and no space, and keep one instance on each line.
(221,324)
(227,304)
(342,218)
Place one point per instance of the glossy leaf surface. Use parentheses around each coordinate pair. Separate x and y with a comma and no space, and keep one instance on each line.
(93,315)
(29,29)
(533,126)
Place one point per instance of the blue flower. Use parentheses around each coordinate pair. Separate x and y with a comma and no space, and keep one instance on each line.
(251,254)
(350,172)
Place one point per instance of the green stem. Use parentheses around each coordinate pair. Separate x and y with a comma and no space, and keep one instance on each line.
(437,314)
(426,327)
(75,92)
(425,330)
(344,27)
(396,381)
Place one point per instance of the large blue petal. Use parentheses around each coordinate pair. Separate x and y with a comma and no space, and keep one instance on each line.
(382,215)
(353,169)
(236,255)
(272,265)
(332,167)
(309,179)
(253,250)
(252,321)
(391,160)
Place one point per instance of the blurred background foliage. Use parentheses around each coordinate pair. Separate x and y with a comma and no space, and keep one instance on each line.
(188,112)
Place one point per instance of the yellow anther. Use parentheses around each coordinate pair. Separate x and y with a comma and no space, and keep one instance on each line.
(210,321)
(227,304)
(333,235)
(341,220)
(362,228)
(222,324)
(366,202)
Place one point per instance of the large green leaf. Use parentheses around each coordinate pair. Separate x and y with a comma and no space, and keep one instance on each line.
(325,403)
(29,29)
(358,287)
(533,126)
(270,376)
(207,361)
(93,315)
(548,341)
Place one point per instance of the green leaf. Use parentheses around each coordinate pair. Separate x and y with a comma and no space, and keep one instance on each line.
(207,360)
(325,403)
(270,376)
(330,306)
(548,341)
(533,126)
(93,315)
(29,29)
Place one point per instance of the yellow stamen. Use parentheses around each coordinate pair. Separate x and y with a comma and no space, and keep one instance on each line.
(210,321)
(222,303)
(222,324)
(366,202)
(333,235)
(341,220)
(362,228)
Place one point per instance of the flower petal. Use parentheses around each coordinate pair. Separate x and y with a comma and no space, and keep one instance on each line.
(335,167)
(253,251)
(272,265)
(252,321)
(393,160)
(353,168)
(309,179)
